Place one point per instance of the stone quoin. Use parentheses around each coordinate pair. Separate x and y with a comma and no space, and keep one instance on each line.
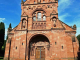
(40,35)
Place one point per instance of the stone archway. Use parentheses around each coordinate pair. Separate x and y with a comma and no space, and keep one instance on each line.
(37,47)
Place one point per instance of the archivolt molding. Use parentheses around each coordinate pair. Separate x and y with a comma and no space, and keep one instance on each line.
(38,34)
(40,9)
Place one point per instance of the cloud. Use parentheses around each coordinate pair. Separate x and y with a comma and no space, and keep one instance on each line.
(2,19)
(63,4)
(6,33)
(6,29)
(63,17)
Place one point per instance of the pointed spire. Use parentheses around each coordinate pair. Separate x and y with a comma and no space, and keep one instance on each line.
(22,2)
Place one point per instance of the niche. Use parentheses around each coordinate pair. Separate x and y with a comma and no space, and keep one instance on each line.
(23,23)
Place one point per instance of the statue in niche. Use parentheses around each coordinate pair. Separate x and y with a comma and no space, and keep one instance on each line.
(24,23)
(74,27)
(54,21)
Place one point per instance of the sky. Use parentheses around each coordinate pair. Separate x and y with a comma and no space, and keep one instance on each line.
(68,12)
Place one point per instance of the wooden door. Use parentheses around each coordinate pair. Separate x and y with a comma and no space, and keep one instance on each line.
(40,53)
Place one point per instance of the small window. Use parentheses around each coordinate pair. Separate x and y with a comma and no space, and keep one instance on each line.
(39,16)
(16,47)
(44,18)
(62,47)
(55,43)
(22,43)
(34,18)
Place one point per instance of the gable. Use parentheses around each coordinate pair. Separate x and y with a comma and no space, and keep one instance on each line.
(67,27)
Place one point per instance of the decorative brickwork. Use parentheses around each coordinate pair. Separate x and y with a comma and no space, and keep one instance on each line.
(40,35)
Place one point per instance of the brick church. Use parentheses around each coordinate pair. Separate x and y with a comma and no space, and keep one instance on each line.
(40,35)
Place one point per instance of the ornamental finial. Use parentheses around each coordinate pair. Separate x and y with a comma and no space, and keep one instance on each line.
(22,2)
(74,27)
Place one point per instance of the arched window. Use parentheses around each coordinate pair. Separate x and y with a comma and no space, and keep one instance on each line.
(34,18)
(39,16)
(44,18)
(39,19)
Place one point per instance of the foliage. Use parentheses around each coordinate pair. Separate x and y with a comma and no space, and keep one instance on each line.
(1,58)
(10,26)
(3,47)
(2,34)
(78,37)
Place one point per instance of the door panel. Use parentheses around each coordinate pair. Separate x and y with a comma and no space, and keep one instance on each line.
(40,53)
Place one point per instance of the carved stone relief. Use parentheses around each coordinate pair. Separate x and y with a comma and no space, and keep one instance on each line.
(43,6)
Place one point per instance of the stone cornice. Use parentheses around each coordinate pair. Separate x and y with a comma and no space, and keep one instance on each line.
(10,33)
(39,3)
(70,31)
(42,29)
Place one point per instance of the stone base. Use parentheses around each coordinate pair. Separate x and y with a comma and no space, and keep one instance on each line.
(5,58)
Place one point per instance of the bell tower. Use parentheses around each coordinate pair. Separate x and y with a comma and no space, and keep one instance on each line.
(39,12)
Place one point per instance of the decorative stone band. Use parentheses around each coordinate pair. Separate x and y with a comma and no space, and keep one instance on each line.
(43,29)
(70,31)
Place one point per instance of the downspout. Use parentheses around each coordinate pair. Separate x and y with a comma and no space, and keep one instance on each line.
(9,49)
(26,51)
(73,49)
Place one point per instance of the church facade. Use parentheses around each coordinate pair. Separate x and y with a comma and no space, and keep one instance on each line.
(40,35)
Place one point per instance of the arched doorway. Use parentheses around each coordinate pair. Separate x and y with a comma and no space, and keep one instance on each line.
(37,47)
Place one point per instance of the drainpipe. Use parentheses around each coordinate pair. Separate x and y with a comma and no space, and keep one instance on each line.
(26,50)
(9,49)
(73,49)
